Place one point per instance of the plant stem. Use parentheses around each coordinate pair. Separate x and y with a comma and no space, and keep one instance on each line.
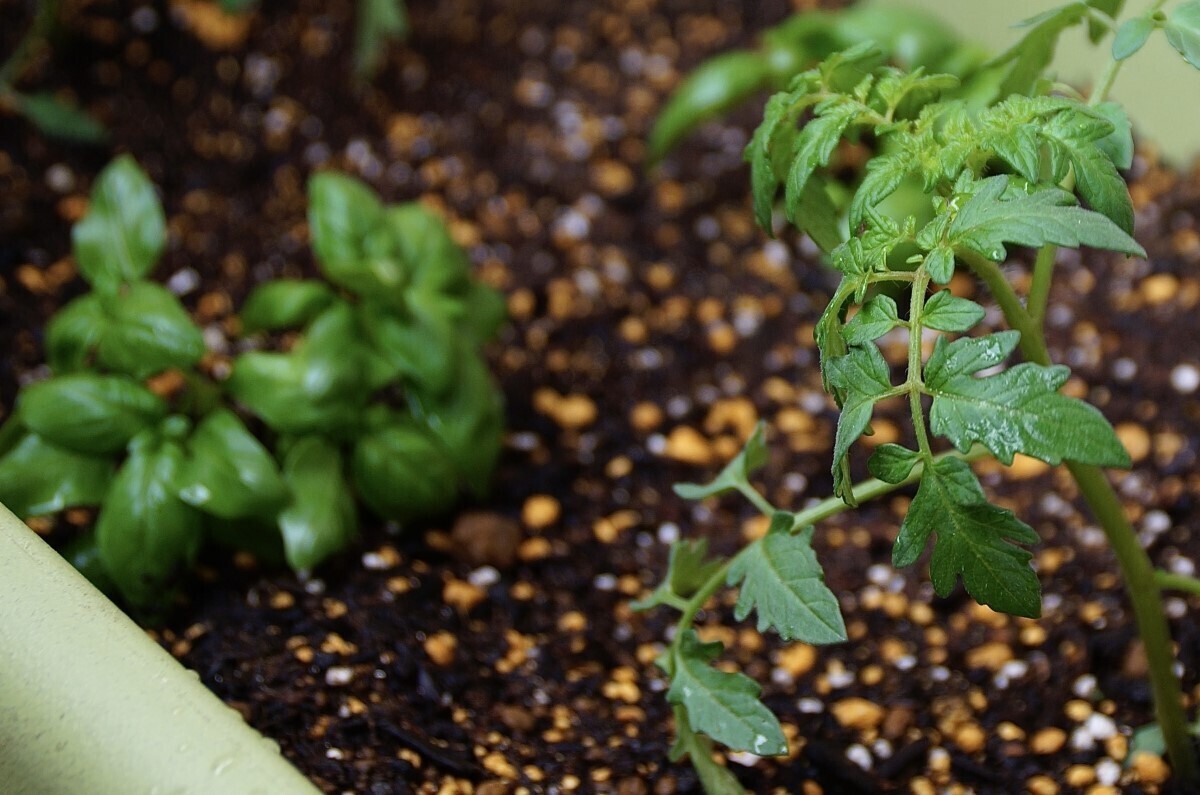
(1140,582)
(915,381)
(1177,582)
(1039,288)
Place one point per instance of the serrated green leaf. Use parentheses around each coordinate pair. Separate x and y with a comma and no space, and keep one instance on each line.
(782,582)
(947,312)
(321,518)
(814,147)
(876,318)
(60,119)
(975,540)
(73,333)
(285,303)
(724,706)
(1033,53)
(969,354)
(939,264)
(145,535)
(1075,135)
(773,137)
(1183,30)
(89,413)
(736,473)
(817,216)
(1130,37)
(995,215)
(688,569)
(1018,410)
(892,463)
(124,232)
(1118,144)
(861,377)
(148,331)
(402,472)
(712,88)
(37,478)
(228,473)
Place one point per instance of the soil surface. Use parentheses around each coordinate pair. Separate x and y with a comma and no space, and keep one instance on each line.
(652,325)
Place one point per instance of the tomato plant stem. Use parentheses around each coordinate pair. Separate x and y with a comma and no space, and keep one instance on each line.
(1140,583)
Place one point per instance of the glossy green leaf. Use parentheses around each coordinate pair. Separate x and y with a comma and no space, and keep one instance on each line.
(994,216)
(1183,30)
(947,312)
(228,472)
(349,235)
(437,264)
(145,535)
(320,386)
(485,312)
(403,472)
(751,458)
(1132,34)
(321,518)
(423,347)
(969,354)
(1018,410)
(892,463)
(37,477)
(975,540)
(468,420)
(88,413)
(60,119)
(124,232)
(783,584)
(379,23)
(73,333)
(148,331)
(876,318)
(714,87)
(862,376)
(285,303)
(724,706)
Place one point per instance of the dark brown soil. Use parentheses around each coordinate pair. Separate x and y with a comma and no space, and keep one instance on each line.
(652,325)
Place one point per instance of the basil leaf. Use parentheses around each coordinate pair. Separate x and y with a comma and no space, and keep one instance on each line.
(423,346)
(124,232)
(285,303)
(37,477)
(145,535)
(403,472)
(148,331)
(380,22)
(484,312)
(87,413)
(355,248)
(436,263)
(321,518)
(228,472)
(73,333)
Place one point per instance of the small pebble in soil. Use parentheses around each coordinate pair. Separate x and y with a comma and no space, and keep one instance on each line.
(1185,378)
